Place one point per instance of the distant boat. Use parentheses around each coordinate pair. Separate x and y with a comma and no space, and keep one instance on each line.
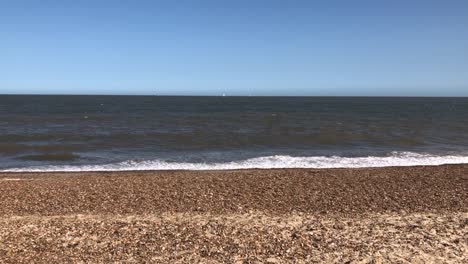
(224,94)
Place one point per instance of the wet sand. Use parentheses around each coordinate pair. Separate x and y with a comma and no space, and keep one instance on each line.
(397,214)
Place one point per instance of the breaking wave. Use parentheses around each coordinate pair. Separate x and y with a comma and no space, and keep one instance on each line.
(268,162)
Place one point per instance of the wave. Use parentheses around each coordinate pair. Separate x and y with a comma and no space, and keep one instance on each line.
(268,162)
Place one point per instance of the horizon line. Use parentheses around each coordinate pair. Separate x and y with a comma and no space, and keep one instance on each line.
(170,95)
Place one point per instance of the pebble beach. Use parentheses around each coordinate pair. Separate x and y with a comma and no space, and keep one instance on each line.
(375,215)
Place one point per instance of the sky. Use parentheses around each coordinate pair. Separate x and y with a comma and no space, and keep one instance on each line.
(293,48)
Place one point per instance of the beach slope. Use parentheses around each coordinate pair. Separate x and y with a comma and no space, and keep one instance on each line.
(394,214)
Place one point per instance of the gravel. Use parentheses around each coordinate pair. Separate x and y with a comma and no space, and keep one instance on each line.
(396,214)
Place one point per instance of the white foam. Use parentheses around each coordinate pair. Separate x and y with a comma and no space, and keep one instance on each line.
(269,162)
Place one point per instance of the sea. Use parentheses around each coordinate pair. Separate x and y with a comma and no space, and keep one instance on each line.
(120,133)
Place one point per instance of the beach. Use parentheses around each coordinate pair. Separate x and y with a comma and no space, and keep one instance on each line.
(241,132)
(367,215)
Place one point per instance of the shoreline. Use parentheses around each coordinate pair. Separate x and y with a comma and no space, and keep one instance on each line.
(6,171)
(393,159)
(391,214)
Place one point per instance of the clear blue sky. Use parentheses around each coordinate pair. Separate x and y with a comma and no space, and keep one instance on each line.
(373,47)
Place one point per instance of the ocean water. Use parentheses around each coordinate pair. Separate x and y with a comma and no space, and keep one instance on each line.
(76,133)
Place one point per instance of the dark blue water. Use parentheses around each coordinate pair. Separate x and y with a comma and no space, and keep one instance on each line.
(44,131)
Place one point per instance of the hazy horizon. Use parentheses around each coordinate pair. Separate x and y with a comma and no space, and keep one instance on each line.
(225,95)
(221,95)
